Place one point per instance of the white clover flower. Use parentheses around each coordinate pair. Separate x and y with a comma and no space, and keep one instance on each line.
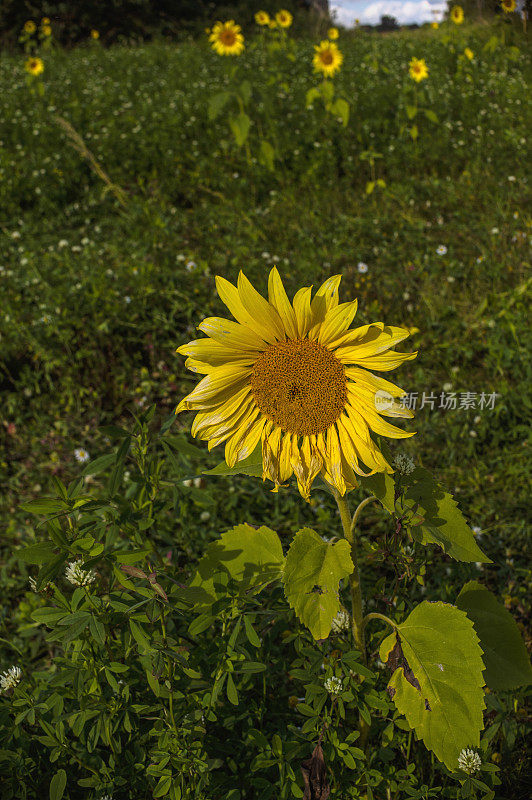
(404,463)
(78,576)
(469,761)
(81,455)
(333,685)
(341,622)
(190,266)
(441,250)
(10,678)
(362,268)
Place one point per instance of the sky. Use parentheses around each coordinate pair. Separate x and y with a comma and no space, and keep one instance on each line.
(370,11)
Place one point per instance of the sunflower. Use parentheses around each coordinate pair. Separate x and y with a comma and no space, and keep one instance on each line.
(327,58)
(262,18)
(95,34)
(284,18)
(418,69)
(227,39)
(469,54)
(508,6)
(333,34)
(457,15)
(296,378)
(46,30)
(434,25)
(34,66)
(30,27)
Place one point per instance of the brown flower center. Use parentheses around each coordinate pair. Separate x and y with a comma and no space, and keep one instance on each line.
(228,38)
(326,57)
(300,386)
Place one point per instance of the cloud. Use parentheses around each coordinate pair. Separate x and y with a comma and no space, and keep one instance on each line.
(404,12)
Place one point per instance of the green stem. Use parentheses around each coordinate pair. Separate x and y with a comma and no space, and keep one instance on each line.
(376,615)
(357,624)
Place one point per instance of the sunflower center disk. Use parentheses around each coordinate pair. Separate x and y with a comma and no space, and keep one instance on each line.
(300,386)
(228,38)
(326,57)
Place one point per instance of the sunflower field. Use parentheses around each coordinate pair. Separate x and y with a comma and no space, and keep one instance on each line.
(265,373)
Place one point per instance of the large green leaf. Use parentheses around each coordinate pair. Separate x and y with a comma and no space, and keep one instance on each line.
(434,513)
(251,557)
(505,655)
(252,465)
(312,573)
(437,681)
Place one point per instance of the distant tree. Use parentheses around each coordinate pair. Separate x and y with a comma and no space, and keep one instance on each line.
(388,23)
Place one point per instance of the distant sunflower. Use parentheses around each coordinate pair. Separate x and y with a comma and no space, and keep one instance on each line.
(284,18)
(508,6)
(457,15)
(262,18)
(296,378)
(327,58)
(30,27)
(434,25)
(227,39)
(469,54)
(95,34)
(34,66)
(333,34)
(46,30)
(418,69)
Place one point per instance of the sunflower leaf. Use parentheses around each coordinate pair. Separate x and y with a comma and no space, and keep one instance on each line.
(312,573)
(505,655)
(437,678)
(252,465)
(250,557)
(429,511)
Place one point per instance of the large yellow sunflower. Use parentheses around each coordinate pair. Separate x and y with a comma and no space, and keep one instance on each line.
(457,15)
(294,376)
(226,38)
(327,58)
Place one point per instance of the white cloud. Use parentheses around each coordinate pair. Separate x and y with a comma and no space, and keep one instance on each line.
(405,12)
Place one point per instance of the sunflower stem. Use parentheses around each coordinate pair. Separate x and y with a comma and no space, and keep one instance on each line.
(357,620)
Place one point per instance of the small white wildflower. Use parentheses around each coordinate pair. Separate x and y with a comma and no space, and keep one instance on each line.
(10,678)
(187,483)
(473,434)
(190,266)
(450,279)
(333,685)
(81,455)
(197,483)
(447,386)
(511,178)
(265,255)
(362,268)
(477,530)
(180,257)
(33,585)
(404,463)
(15,235)
(77,576)
(494,231)
(441,250)
(341,621)
(127,299)
(469,761)
(204,516)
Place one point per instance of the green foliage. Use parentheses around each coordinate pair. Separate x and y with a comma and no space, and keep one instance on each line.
(252,558)
(438,682)
(506,660)
(429,512)
(312,573)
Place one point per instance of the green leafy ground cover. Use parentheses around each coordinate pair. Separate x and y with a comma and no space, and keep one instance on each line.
(95,295)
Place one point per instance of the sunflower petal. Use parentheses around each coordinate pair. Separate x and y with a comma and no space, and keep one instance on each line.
(336,321)
(279,300)
(301,305)
(388,338)
(230,295)
(386,361)
(325,298)
(211,352)
(232,334)
(260,310)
